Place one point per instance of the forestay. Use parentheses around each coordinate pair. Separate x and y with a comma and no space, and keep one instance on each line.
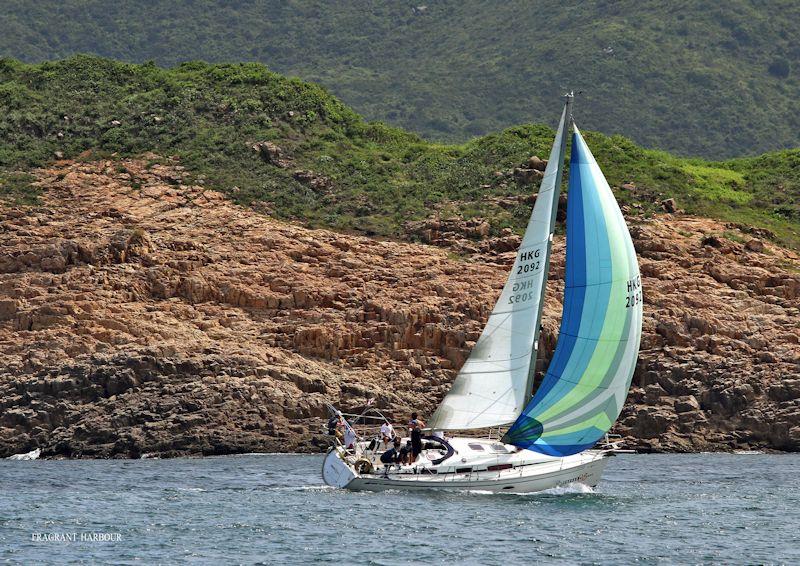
(492,387)
(588,378)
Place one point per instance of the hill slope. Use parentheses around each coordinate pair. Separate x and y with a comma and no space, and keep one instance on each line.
(696,78)
(292,149)
(139,314)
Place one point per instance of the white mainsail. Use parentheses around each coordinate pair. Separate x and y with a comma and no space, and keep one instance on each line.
(495,382)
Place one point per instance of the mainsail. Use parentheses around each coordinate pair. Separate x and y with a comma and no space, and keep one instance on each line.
(588,378)
(493,385)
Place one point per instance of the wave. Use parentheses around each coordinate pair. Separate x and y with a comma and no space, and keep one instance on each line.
(260,454)
(270,454)
(302,488)
(32,455)
(569,489)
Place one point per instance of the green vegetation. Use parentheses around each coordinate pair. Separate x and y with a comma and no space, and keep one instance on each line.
(17,188)
(718,184)
(712,79)
(335,169)
(734,237)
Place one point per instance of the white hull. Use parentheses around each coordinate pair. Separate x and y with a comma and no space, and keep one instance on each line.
(529,472)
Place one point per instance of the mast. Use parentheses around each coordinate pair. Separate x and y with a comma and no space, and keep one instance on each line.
(568,98)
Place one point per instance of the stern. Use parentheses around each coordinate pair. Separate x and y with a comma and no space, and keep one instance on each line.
(335,471)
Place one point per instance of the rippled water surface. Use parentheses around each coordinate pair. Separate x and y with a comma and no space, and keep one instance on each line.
(274,509)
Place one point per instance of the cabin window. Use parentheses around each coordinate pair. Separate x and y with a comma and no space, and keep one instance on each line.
(476,447)
(499,448)
(463,470)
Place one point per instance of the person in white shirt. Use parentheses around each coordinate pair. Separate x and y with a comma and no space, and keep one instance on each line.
(350,436)
(387,434)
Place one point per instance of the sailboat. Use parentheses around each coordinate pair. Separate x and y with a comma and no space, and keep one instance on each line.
(553,432)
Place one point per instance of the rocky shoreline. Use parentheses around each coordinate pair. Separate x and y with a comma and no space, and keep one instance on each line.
(139,315)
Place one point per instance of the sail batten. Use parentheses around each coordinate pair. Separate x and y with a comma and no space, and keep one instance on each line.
(588,378)
(492,387)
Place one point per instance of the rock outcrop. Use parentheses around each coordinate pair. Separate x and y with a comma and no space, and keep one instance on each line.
(140,315)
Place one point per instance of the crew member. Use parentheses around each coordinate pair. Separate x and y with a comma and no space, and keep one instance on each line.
(340,427)
(415,426)
(405,453)
(392,455)
(387,433)
(332,422)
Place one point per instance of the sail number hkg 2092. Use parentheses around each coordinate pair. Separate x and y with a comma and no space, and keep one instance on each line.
(529,262)
(634,296)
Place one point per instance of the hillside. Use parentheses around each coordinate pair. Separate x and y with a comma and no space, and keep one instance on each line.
(143,314)
(696,78)
(291,149)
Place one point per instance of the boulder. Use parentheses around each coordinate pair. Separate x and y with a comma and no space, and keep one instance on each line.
(316,182)
(8,309)
(535,162)
(272,154)
(755,245)
(653,393)
(652,422)
(686,404)
(525,176)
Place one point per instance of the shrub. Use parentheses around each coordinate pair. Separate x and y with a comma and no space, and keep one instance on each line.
(779,68)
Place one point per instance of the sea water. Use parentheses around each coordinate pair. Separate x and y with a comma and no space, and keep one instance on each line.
(274,509)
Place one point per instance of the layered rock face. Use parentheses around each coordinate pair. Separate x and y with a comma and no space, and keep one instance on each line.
(141,315)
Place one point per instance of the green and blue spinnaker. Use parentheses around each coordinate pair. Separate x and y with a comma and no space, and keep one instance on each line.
(587,381)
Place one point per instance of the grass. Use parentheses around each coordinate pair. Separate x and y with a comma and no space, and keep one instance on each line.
(719,184)
(338,170)
(714,79)
(734,236)
(18,189)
